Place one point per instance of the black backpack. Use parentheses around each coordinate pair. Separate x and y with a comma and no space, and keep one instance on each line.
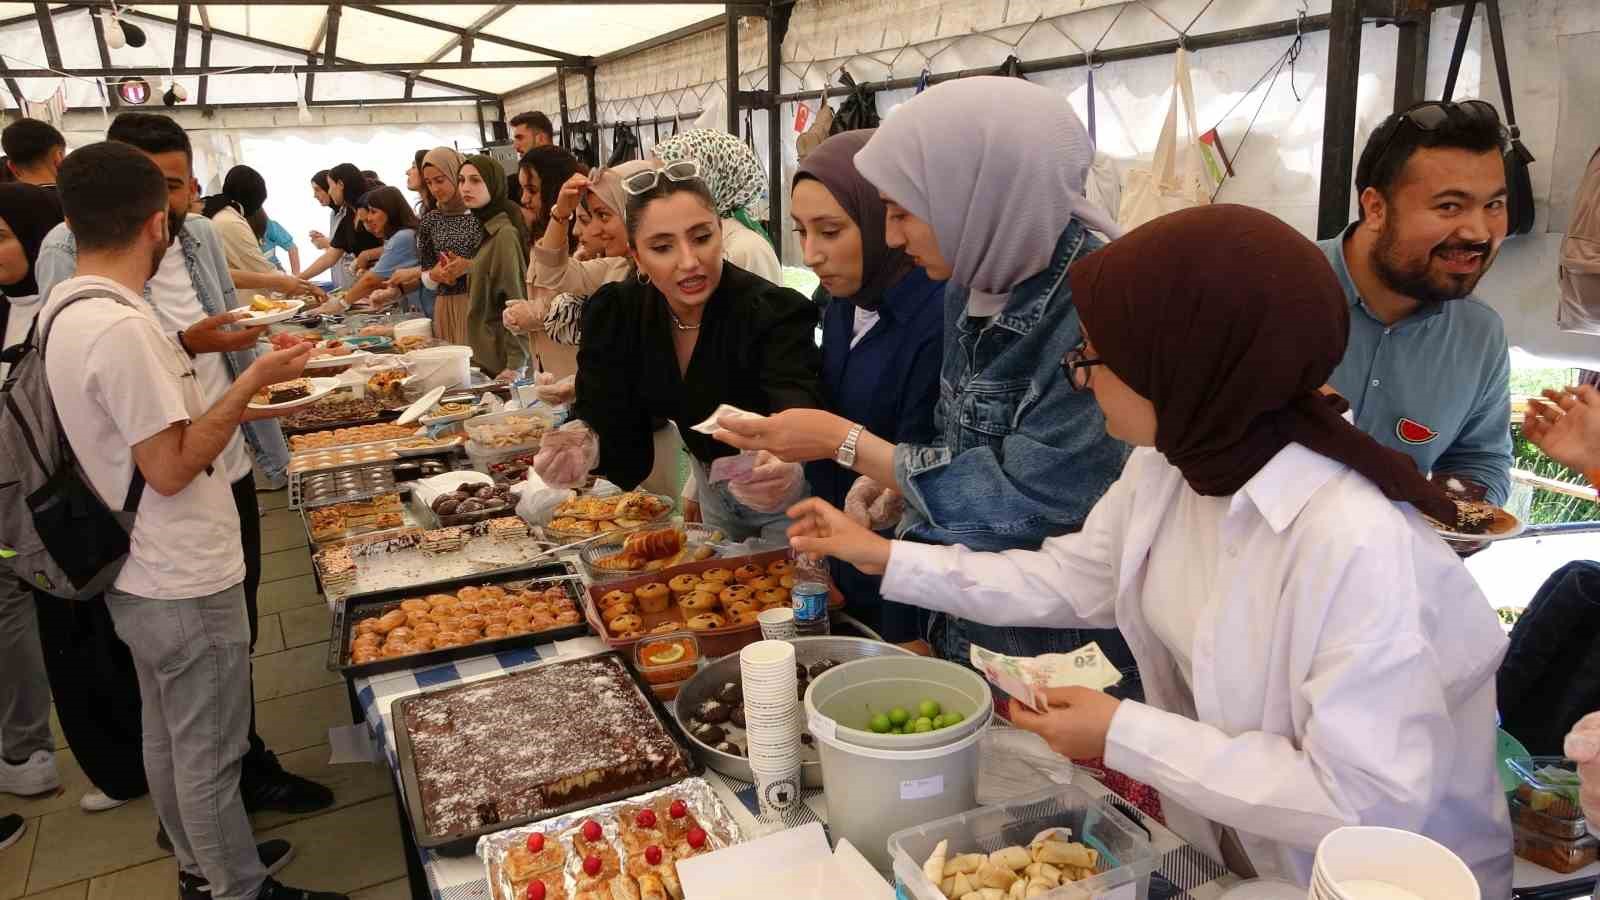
(858,111)
(61,537)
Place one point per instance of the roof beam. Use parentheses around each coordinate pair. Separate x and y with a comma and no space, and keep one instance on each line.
(205,60)
(373,4)
(404,68)
(47,32)
(112,97)
(460,31)
(327,36)
(11,84)
(180,38)
(262,42)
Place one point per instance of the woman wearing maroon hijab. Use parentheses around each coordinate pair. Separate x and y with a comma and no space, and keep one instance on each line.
(1313,655)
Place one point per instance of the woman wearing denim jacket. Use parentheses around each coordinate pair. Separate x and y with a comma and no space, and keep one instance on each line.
(1020,456)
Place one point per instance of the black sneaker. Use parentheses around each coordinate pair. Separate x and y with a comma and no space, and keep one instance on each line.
(162,841)
(274,855)
(11,829)
(266,785)
(272,890)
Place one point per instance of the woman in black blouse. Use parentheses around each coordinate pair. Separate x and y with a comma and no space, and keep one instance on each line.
(346,184)
(690,332)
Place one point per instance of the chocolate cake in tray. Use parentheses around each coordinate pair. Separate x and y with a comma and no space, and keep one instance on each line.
(559,736)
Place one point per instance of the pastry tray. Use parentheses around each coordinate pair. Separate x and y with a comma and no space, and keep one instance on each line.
(360,606)
(695,533)
(358,482)
(462,843)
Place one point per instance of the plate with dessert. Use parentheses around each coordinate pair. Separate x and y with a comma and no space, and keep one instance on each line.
(267,311)
(292,393)
(1477,520)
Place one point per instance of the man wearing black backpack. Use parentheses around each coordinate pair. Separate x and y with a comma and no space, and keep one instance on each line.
(127,398)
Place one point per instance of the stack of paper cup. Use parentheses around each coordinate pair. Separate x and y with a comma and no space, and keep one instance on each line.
(1369,863)
(777,624)
(772,725)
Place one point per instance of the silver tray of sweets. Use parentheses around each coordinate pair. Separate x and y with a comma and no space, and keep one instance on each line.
(623,848)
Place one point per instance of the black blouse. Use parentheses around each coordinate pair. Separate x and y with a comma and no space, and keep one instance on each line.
(757,350)
(352,238)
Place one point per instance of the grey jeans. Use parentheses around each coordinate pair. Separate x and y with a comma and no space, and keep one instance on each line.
(24,687)
(720,510)
(193,661)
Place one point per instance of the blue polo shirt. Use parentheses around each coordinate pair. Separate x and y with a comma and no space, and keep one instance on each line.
(1435,385)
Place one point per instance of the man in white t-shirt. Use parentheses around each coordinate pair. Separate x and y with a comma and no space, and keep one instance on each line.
(128,397)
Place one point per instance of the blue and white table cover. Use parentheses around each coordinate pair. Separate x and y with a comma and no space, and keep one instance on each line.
(462,877)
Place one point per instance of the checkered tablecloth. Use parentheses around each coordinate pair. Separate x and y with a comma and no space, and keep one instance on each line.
(462,877)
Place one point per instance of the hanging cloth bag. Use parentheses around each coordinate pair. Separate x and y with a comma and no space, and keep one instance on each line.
(1102,184)
(821,126)
(1519,187)
(1178,176)
(858,111)
(1578,271)
(624,145)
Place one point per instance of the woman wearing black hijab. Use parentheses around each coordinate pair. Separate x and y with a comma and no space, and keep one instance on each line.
(27,213)
(881,346)
(244,192)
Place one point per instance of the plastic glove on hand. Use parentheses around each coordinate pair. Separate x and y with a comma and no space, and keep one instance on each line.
(873,505)
(555,391)
(1582,746)
(567,455)
(772,486)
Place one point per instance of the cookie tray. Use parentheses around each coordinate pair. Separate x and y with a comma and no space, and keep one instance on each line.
(464,843)
(354,608)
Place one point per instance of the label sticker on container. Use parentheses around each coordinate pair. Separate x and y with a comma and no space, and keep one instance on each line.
(922,788)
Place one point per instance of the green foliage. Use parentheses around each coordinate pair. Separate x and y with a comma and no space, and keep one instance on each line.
(1550,508)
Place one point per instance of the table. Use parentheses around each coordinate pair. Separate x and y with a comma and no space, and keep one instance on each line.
(462,878)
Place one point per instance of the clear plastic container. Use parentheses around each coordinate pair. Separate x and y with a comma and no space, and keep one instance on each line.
(668,658)
(1554,853)
(1533,820)
(1126,857)
(1549,786)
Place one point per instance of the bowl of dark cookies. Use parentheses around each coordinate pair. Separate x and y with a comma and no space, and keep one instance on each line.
(472,503)
(710,706)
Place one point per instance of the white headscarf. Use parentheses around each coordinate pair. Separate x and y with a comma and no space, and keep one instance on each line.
(996,166)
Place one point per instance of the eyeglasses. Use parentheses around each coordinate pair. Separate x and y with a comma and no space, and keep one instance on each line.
(640,182)
(1430,117)
(1076,366)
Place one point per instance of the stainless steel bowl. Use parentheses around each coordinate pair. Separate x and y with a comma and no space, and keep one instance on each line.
(807,650)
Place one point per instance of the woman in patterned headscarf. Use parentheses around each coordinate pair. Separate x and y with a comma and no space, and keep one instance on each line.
(737,180)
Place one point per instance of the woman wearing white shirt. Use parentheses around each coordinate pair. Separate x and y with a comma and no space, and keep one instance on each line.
(1313,656)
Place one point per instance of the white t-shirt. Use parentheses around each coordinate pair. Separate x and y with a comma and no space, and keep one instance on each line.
(118,379)
(177,307)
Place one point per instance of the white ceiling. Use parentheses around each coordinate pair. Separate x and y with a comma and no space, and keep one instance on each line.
(583,30)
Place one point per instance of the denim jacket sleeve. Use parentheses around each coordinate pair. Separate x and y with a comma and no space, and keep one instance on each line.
(57,260)
(1043,480)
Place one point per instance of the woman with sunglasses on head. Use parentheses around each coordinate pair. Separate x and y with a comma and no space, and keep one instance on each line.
(1020,456)
(688,333)
(881,345)
(1314,656)
(736,180)
(497,270)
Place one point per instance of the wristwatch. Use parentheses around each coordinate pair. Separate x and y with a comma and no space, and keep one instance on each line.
(846,454)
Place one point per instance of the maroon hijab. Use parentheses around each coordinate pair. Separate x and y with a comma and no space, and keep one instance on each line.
(1228,321)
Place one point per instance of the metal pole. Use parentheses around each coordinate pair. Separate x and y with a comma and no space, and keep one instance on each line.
(732,53)
(594,114)
(774,135)
(561,94)
(1411,61)
(1339,118)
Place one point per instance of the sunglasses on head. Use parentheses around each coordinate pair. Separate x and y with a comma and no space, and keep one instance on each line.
(640,182)
(1430,117)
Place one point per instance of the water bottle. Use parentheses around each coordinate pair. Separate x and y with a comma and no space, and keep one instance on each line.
(810,595)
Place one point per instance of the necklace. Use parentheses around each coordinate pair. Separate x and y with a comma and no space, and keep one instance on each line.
(678,323)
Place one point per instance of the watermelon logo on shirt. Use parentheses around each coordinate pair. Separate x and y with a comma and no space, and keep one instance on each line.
(1413,432)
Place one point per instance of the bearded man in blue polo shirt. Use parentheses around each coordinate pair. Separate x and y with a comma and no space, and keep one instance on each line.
(1427,370)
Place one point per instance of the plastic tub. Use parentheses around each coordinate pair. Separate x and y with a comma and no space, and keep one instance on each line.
(1126,857)
(678,670)
(413,328)
(448,367)
(1554,853)
(1402,859)
(878,784)
(1548,785)
(1533,820)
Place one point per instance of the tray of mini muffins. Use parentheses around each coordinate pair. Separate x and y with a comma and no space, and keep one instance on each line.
(715,599)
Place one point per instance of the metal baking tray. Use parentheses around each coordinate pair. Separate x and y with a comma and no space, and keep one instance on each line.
(462,843)
(360,606)
(361,481)
(704,684)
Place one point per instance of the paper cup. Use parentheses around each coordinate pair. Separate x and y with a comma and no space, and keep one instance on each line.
(777,624)
(778,793)
(1400,858)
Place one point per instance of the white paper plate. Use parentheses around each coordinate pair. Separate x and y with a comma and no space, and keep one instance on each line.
(1505,526)
(252,318)
(320,387)
(354,358)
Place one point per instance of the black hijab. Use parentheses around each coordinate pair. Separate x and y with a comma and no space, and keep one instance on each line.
(243,189)
(30,212)
(833,164)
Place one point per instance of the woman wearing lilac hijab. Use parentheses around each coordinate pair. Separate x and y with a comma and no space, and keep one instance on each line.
(1019,455)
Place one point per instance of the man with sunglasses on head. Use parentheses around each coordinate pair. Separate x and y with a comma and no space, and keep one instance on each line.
(1427,371)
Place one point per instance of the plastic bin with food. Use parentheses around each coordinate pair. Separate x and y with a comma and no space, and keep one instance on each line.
(1549,786)
(1554,853)
(666,661)
(518,429)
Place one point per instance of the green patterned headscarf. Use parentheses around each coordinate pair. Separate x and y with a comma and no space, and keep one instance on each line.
(729,168)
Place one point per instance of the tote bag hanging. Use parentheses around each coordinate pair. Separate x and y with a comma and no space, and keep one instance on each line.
(1101,184)
(1181,174)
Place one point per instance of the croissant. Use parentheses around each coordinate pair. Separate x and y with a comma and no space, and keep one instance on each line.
(621,562)
(653,544)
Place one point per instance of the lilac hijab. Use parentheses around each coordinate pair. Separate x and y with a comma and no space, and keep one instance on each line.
(996,166)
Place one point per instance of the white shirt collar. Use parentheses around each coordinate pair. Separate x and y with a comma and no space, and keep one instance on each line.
(1286,484)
